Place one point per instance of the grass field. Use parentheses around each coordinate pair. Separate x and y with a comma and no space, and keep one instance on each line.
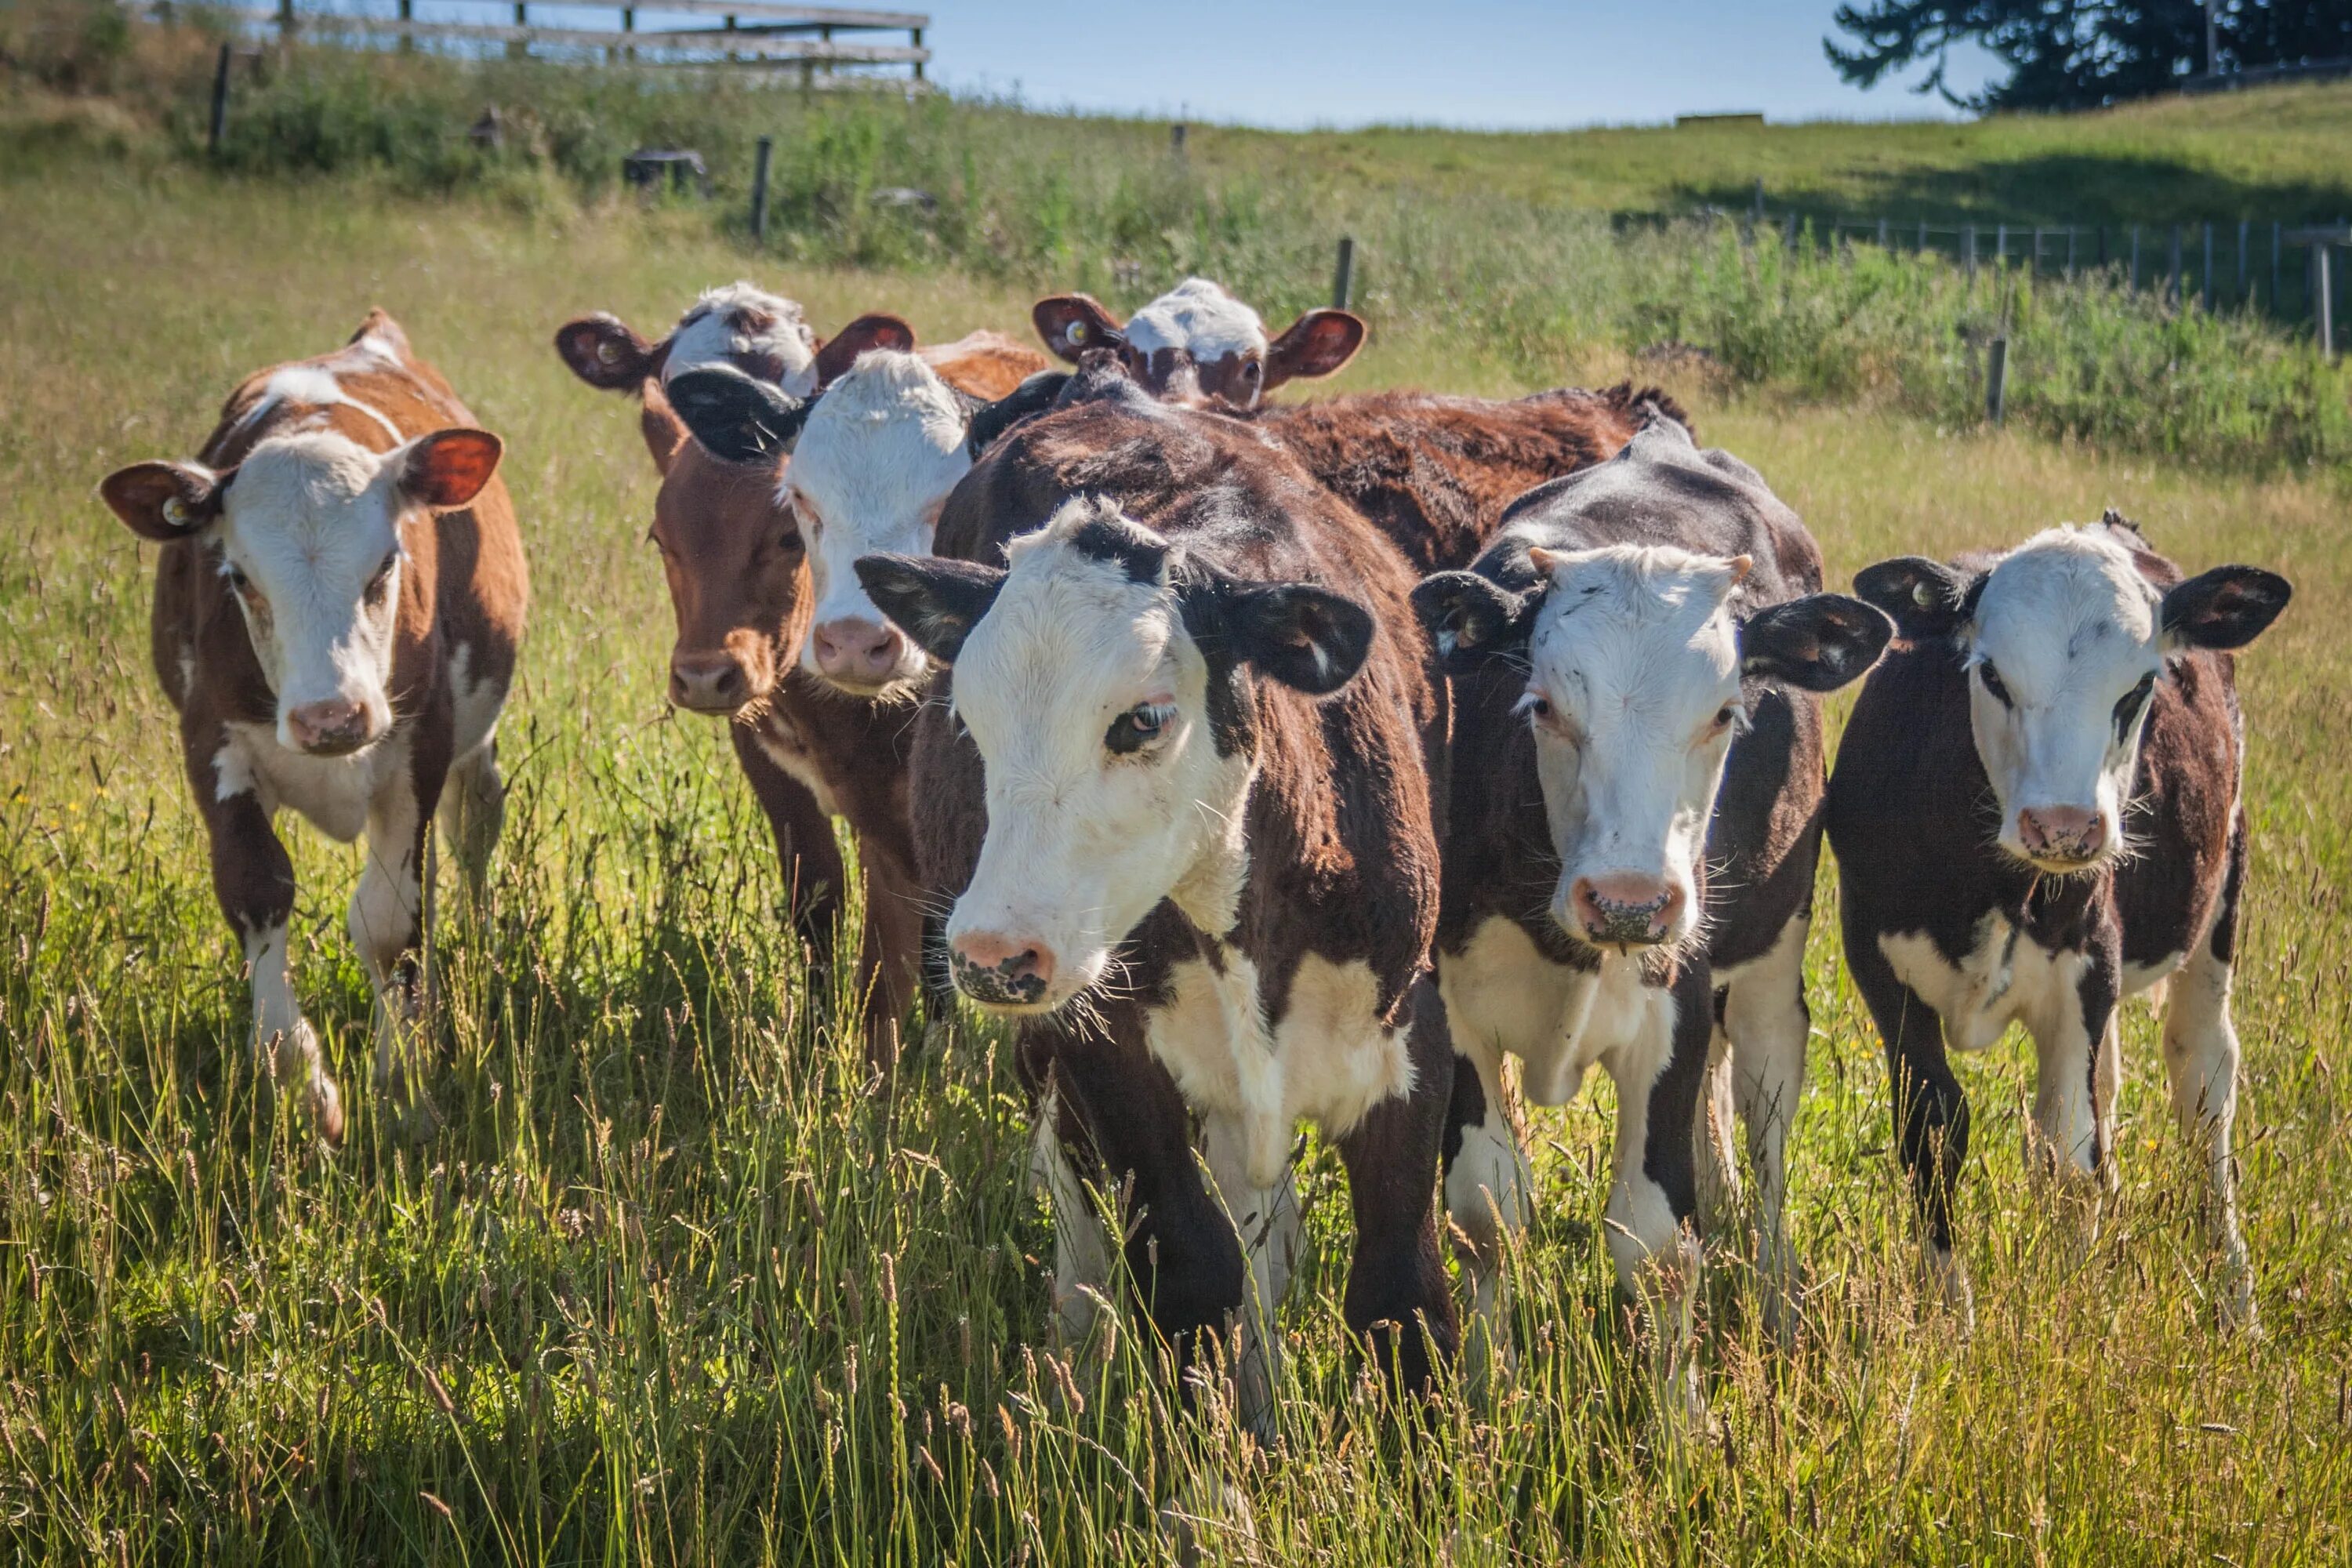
(672,1283)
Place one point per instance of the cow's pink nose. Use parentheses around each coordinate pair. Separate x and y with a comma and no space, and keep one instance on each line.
(858,651)
(1623,909)
(327,728)
(1001,969)
(2062,832)
(707,682)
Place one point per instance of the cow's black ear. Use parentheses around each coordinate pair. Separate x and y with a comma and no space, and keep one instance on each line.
(1468,616)
(1300,634)
(935,601)
(1924,598)
(2227,608)
(990,420)
(1818,642)
(737,417)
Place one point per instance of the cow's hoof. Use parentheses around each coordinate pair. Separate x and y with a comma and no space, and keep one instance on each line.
(1209,1520)
(326,1110)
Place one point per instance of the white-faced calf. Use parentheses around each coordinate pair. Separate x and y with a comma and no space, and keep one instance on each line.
(1178,794)
(1637,783)
(2037,811)
(1198,345)
(338,607)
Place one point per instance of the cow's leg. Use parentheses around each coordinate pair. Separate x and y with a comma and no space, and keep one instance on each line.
(1764,1014)
(1267,1221)
(1123,1123)
(1489,1191)
(2074,1098)
(1653,1211)
(473,811)
(890,955)
(1082,1246)
(1398,1299)
(254,880)
(1715,1166)
(805,847)
(1931,1113)
(387,907)
(2200,1057)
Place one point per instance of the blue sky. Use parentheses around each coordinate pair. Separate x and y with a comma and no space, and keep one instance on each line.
(1515,63)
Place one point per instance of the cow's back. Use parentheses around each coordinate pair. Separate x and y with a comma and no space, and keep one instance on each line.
(1436,474)
(984,364)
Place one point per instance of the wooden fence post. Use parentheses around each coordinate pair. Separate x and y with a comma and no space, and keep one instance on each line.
(285,21)
(2000,246)
(2135,256)
(2070,251)
(1756,211)
(220,104)
(2034,262)
(1882,234)
(1343,274)
(1922,245)
(2245,290)
(1997,380)
(759,189)
(2278,231)
(1176,141)
(915,38)
(2323,299)
(1789,233)
(1969,253)
(2172,271)
(2206,288)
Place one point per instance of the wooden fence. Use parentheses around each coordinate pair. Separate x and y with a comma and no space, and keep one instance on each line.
(734,32)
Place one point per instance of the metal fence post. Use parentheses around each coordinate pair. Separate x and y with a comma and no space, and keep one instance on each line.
(2245,290)
(2278,231)
(2172,271)
(220,104)
(1343,274)
(1882,234)
(2000,246)
(2070,251)
(2034,262)
(1997,380)
(1969,252)
(2325,299)
(2206,289)
(1920,249)
(2135,256)
(759,189)
(1176,141)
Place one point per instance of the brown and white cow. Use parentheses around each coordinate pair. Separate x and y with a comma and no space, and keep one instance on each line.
(1197,344)
(737,565)
(339,604)
(1177,789)
(2038,809)
(1634,824)
(1434,473)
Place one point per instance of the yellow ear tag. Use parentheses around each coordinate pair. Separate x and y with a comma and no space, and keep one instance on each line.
(608,353)
(1076,332)
(1922,596)
(175,513)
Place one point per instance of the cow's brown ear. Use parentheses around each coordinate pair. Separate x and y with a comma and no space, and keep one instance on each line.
(664,431)
(874,332)
(604,351)
(1318,343)
(448,468)
(1070,324)
(164,501)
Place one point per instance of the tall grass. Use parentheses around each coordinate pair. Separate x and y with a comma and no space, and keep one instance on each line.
(1016,198)
(655,1274)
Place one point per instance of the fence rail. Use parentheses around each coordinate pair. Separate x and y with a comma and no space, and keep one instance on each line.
(750,32)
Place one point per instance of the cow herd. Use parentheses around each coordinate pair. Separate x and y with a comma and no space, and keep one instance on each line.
(1264,763)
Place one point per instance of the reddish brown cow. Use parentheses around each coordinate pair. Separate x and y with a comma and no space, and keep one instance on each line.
(338,607)
(739,578)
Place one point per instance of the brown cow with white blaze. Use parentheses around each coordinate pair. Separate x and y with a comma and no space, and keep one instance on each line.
(738,563)
(2039,810)
(338,609)
(1179,791)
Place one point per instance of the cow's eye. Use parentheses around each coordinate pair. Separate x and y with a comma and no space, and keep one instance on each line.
(382,581)
(788,543)
(239,581)
(1725,715)
(1139,727)
(1252,370)
(2127,707)
(1992,678)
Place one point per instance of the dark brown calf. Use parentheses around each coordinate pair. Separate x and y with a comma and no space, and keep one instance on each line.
(1222,902)
(338,606)
(2037,811)
(737,564)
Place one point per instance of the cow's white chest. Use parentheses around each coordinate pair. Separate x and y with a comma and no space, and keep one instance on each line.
(1501,989)
(334,793)
(2005,976)
(780,742)
(1330,1058)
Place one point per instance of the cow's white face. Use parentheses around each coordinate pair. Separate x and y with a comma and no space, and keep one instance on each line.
(875,462)
(307,533)
(1632,695)
(1197,330)
(1089,701)
(762,333)
(2064,655)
